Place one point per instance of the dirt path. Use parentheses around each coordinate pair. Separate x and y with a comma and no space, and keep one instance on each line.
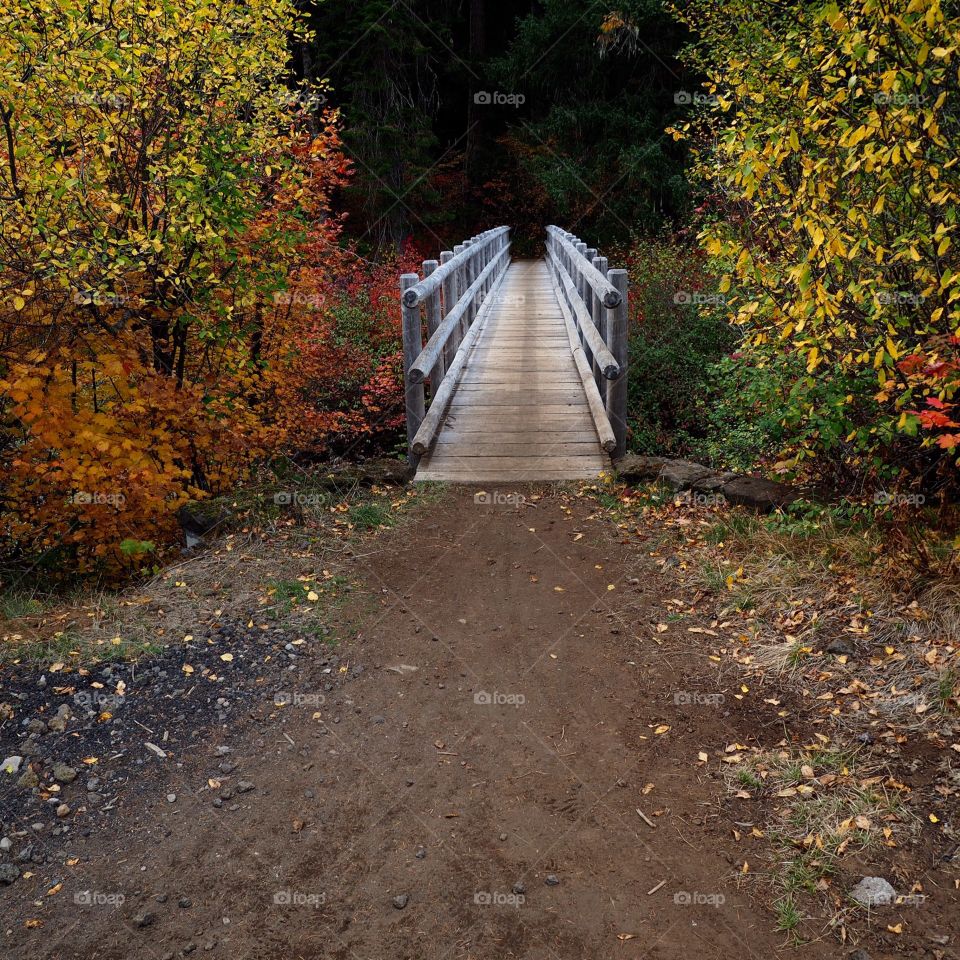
(485,765)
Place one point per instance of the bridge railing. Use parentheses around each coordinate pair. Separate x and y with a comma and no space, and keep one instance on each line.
(451,296)
(593,299)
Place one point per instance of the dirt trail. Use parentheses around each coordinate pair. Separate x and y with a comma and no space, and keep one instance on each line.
(494,788)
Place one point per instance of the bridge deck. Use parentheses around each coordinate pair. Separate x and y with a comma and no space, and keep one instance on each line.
(519,411)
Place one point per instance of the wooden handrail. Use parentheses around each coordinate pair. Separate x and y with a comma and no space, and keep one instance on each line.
(479,244)
(452,294)
(607,292)
(593,300)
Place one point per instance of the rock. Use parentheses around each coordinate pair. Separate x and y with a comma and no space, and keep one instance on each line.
(379,718)
(171,798)
(401,900)
(11,765)
(223,751)
(713,482)
(9,873)
(519,888)
(244,786)
(5,844)
(36,726)
(63,773)
(184,903)
(758,493)
(683,474)
(840,647)
(860,954)
(873,892)
(63,810)
(144,919)
(58,723)
(551,879)
(632,467)
(226,766)
(161,898)
(421,853)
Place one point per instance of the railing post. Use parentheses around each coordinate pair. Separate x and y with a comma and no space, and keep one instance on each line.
(617,389)
(412,345)
(469,275)
(432,306)
(599,317)
(459,287)
(449,302)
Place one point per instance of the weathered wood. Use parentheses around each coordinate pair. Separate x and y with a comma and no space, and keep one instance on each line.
(598,312)
(431,422)
(617,389)
(607,439)
(423,288)
(414,398)
(440,336)
(602,287)
(584,321)
(448,290)
(432,311)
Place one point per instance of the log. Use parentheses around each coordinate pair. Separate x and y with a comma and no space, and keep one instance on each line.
(606,360)
(617,389)
(423,288)
(432,305)
(414,398)
(601,286)
(604,431)
(428,356)
(432,421)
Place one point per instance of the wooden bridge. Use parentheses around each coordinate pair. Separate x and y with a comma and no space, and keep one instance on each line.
(526,362)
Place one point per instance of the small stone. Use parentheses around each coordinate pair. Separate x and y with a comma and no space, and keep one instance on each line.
(144,919)
(860,954)
(421,853)
(161,898)
(308,794)
(551,879)
(379,718)
(873,892)
(5,844)
(227,767)
(410,782)
(28,779)
(9,873)
(63,810)
(244,786)
(185,903)
(64,773)
(519,888)
(839,647)
(58,723)
(503,837)
(11,765)
(171,798)
(223,751)
(401,900)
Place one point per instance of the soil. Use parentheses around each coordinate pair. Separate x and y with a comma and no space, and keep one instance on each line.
(495,764)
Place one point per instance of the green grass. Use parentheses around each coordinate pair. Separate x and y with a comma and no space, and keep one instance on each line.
(369,516)
(787,913)
(19,603)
